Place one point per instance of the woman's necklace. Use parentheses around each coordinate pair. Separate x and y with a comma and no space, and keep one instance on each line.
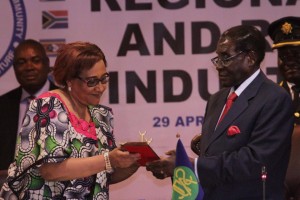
(83,114)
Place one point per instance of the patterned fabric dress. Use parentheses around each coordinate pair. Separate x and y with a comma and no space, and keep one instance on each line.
(51,134)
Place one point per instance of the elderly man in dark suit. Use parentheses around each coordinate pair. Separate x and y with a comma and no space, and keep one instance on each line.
(31,67)
(285,32)
(254,135)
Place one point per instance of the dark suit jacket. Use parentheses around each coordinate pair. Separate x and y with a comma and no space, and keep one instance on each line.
(9,117)
(229,167)
(296,107)
(292,178)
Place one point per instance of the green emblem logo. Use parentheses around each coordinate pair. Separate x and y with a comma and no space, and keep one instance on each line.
(185,184)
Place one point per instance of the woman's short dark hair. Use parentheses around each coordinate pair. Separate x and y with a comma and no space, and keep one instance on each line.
(73,58)
(247,38)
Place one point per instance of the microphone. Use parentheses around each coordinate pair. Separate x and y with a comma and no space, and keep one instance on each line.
(264,178)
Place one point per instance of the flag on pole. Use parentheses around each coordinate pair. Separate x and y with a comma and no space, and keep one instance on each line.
(185,183)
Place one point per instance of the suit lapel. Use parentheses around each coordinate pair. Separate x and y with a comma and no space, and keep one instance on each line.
(14,109)
(218,109)
(215,107)
(239,106)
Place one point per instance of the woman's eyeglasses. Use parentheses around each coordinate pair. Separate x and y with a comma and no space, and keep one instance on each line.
(224,62)
(93,81)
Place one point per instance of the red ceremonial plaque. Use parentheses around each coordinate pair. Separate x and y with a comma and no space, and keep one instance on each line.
(143,148)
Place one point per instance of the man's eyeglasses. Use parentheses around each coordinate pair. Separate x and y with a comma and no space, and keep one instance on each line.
(93,81)
(224,62)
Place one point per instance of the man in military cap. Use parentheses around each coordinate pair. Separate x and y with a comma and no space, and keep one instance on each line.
(285,33)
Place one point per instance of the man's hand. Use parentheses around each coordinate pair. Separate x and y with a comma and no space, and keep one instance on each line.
(164,167)
(195,144)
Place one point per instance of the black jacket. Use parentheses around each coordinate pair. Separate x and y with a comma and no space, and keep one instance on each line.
(9,117)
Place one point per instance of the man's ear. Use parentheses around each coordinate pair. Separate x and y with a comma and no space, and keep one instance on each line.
(252,58)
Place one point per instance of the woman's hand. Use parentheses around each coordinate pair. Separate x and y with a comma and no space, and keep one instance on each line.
(123,159)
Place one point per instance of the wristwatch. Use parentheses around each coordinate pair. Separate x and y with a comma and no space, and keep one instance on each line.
(108,166)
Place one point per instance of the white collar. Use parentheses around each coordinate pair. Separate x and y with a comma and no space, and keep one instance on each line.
(45,88)
(246,83)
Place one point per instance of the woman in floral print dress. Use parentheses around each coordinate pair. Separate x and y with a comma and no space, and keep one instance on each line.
(66,148)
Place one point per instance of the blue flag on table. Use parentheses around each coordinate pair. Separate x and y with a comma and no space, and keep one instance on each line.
(185,183)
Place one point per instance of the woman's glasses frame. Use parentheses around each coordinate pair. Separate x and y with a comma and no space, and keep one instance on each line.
(94,81)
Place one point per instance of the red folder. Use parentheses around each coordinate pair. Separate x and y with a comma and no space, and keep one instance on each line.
(143,148)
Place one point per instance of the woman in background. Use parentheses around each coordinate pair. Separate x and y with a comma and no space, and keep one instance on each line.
(66,149)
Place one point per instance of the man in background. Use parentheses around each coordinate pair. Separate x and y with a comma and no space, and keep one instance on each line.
(31,67)
(285,33)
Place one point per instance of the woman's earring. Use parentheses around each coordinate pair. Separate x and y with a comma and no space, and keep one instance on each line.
(69,88)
